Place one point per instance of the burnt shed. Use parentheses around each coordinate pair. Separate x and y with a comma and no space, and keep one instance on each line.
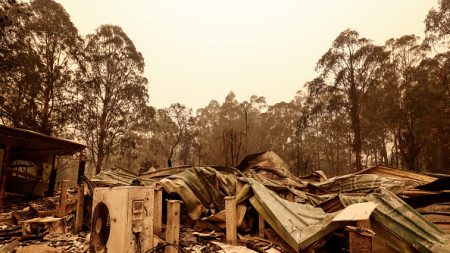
(26,155)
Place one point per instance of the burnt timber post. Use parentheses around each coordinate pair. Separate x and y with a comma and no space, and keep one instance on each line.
(5,164)
(52,179)
(81,168)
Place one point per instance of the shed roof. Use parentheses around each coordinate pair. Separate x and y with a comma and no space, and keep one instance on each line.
(25,143)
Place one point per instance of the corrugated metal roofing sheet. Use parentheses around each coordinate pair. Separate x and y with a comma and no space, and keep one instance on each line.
(405,222)
(299,225)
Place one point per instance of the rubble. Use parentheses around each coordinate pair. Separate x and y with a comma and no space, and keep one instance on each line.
(382,209)
(35,229)
(263,186)
(39,248)
(37,226)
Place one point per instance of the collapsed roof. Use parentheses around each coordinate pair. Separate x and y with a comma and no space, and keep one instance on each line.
(261,179)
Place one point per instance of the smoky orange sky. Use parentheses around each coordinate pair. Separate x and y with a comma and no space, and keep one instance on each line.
(199,50)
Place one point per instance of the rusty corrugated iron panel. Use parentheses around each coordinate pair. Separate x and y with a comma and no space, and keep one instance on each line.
(404,222)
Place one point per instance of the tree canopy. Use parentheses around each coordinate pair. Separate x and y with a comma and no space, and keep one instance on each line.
(112,91)
(368,104)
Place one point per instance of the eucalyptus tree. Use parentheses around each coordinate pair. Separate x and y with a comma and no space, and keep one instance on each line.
(161,138)
(15,65)
(326,128)
(250,111)
(207,118)
(436,71)
(39,86)
(406,54)
(352,65)
(183,119)
(231,129)
(437,25)
(112,91)
(428,106)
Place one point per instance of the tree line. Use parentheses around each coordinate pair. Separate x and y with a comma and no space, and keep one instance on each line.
(369,104)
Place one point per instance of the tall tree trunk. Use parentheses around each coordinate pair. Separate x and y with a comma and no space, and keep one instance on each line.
(239,139)
(396,152)
(375,153)
(98,165)
(297,149)
(232,146)
(246,132)
(199,155)
(356,126)
(225,147)
(384,153)
(338,158)
(101,148)
(45,115)
(318,153)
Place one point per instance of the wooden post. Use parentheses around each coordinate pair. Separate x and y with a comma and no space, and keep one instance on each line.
(230,210)
(52,179)
(261,226)
(61,212)
(360,243)
(173,225)
(157,212)
(80,209)
(81,168)
(5,164)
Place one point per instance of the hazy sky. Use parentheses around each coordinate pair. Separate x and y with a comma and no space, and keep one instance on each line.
(199,50)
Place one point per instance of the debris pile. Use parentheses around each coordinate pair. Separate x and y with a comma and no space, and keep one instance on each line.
(30,225)
(379,209)
(299,213)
